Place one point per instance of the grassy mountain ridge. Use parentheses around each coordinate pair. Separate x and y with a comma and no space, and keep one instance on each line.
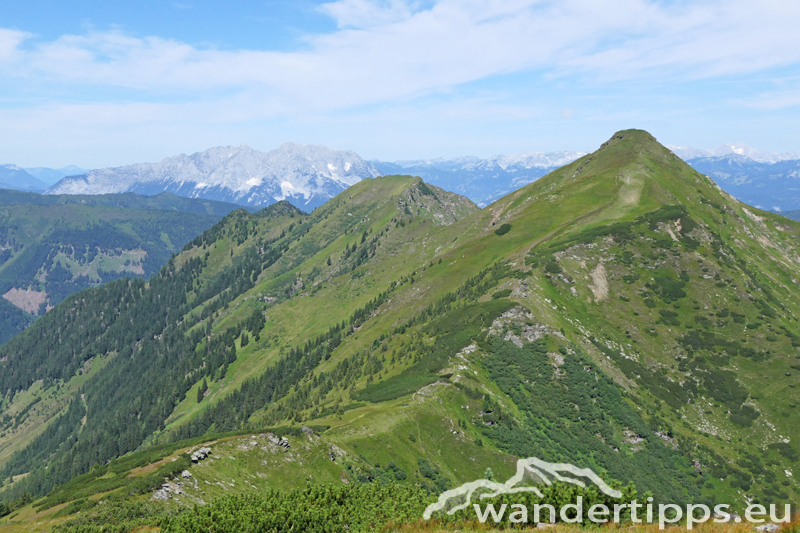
(621,313)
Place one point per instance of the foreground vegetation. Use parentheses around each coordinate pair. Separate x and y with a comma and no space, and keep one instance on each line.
(355,509)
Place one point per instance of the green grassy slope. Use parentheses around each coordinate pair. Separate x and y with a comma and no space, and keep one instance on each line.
(621,313)
(214,273)
(49,252)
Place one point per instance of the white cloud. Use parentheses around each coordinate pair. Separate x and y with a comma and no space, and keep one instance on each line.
(400,51)
(702,39)
(770,101)
(367,13)
(10,41)
(386,53)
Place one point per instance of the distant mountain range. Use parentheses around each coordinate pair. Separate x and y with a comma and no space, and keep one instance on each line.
(733,149)
(308,175)
(16,178)
(305,175)
(794,214)
(51,175)
(763,179)
(481,180)
(770,186)
(38,179)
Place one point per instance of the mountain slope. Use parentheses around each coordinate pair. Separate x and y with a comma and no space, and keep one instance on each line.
(235,251)
(621,313)
(481,180)
(305,175)
(54,246)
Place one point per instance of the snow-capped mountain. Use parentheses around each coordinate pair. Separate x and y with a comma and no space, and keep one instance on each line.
(768,180)
(762,156)
(770,186)
(481,180)
(305,175)
(513,163)
(308,176)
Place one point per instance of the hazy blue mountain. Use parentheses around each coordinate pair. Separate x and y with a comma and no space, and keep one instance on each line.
(51,175)
(307,176)
(16,178)
(772,186)
(762,156)
(481,180)
(794,214)
(769,180)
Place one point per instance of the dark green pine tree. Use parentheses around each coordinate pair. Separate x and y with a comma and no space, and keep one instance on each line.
(201,392)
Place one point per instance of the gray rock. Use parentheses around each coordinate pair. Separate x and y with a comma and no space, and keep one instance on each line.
(162,495)
(768,528)
(200,454)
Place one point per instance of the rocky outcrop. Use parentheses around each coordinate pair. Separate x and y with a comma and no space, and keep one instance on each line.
(200,454)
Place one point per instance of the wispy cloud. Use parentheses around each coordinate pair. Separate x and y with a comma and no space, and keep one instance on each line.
(365,14)
(773,100)
(9,43)
(394,49)
(388,51)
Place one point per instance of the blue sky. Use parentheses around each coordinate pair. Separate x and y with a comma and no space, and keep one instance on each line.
(101,83)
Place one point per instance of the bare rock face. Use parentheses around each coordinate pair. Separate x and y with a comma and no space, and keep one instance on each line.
(305,175)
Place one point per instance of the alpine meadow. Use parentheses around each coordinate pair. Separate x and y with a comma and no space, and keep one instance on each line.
(339,369)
